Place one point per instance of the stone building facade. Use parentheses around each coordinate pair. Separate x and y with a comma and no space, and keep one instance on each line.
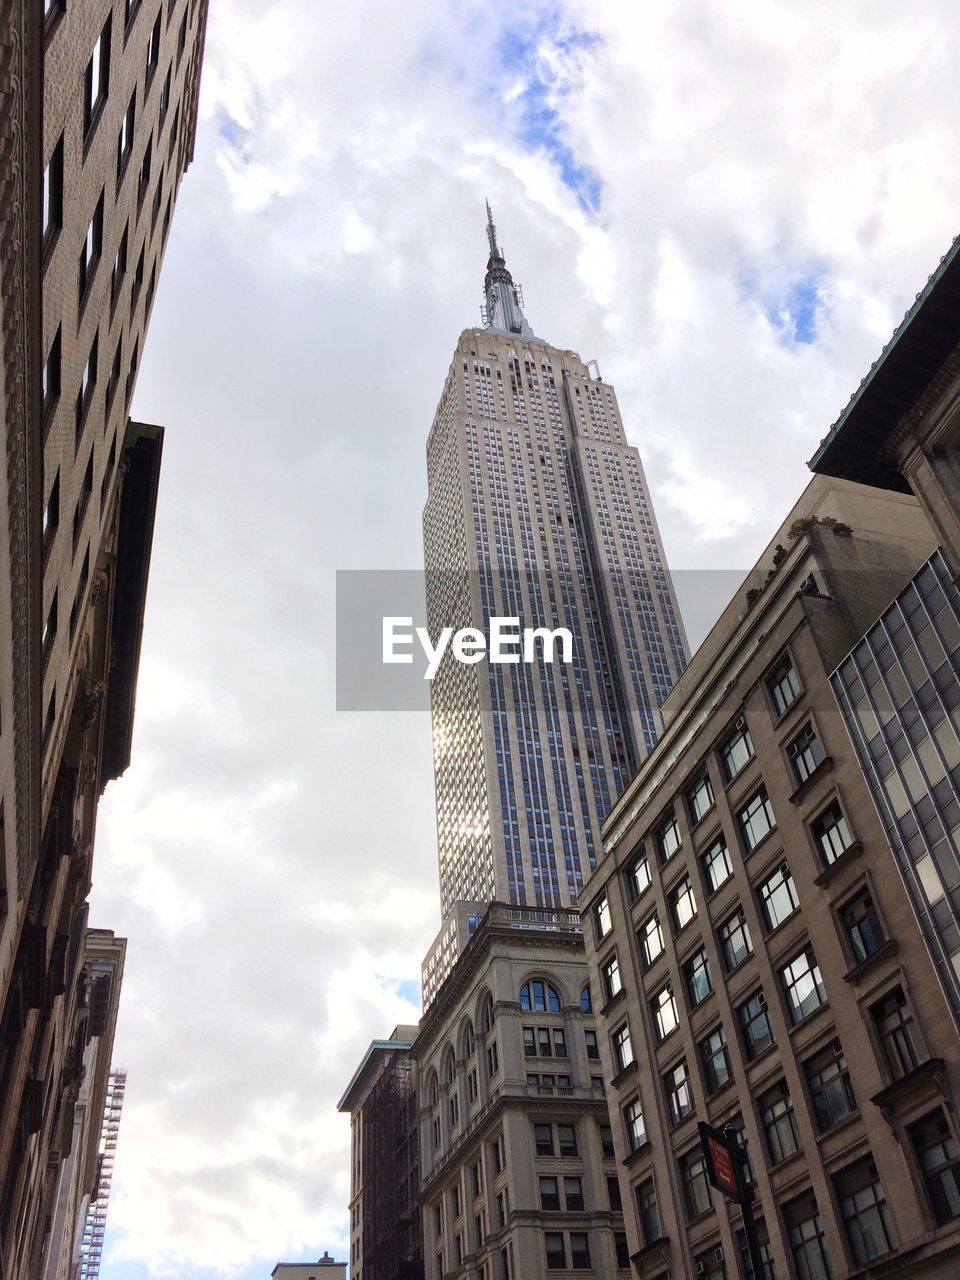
(517,1176)
(99,104)
(760,957)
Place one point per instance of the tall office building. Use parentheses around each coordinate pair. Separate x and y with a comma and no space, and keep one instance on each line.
(537,509)
(99,106)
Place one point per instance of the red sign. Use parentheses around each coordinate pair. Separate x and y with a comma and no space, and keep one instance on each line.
(722,1156)
(724,1173)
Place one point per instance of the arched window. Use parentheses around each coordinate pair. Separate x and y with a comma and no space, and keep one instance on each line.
(433,1090)
(468,1042)
(449,1068)
(486,1015)
(586,1004)
(539,997)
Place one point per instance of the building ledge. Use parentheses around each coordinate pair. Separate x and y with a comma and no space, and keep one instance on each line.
(850,854)
(929,1080)
(885,951)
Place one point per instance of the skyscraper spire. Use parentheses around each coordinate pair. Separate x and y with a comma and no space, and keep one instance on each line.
(503,305)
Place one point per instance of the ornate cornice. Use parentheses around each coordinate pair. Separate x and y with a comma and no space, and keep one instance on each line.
(21,165)
(912,421)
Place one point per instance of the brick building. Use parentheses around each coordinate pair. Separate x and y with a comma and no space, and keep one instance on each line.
(99,102)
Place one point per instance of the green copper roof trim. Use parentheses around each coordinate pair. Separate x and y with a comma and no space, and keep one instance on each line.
(376,1046)
(898,333)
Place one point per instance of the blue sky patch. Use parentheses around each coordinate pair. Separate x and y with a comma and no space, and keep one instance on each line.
(790,300)
(533,114)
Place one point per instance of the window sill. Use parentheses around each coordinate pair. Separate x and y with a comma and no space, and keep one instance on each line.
(885,951)
(48,245)
(613,1002)
(807,1018)
(839,1125)
(624,1074)
(95,117)
(661,1243)
(762,1056)
(824,767)
(761,842)
(633,1157)
(929,1079)
(829,873)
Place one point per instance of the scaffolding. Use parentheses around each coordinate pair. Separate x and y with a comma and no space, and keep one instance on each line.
(91,1245)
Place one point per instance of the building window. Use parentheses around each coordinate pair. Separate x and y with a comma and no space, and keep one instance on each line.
(601,918)
(622,1250)
(784,686)
(693,1179)
(805,1237)
(493,1059)
(544,1042)
(606,1141)
(754,1025)
(648,1212)
(97,80)
(593,1049)
(716,1063)
(153,49)
(556,1250)
(696,975)
(778,897)
(756,820)
(898,1033)
(736,751)
(611,977)
(716,864)
(638,877)
(137,282)
(634,1126)
(543,1139)
(586,1002)
(579,1250)
(832,834)
(936,1152)
(125,137)
(805,753)
(165,94)
(830,1089)
(119,265)
(613,1194)
(88,381)
(49,631)
(539,997)
(699,799)
(708,1266)
(861,927)
(113,378)
(181,39)
(573,1193)
(779,1125)
(683,904)
(622,1049)
(668,838)
(91,250)
(53,195)
(734,938)
(549,1193)
(496,1151)
(766,1254)
(676,1085)
(650,937)
(50,383)
(143,179)
(664,1007)
(51,513)
(864,1211)
(803,985)
(567,1139)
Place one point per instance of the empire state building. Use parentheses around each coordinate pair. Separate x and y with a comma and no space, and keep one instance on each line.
(538,509)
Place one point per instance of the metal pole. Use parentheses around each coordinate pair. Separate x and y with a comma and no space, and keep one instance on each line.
(746,1207)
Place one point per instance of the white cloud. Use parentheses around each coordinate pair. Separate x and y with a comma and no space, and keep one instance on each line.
(271,861)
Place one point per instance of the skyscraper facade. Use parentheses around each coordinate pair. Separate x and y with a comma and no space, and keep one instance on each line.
(538,509)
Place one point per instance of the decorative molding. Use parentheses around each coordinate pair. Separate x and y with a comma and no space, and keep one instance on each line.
(912,421)
(21,79)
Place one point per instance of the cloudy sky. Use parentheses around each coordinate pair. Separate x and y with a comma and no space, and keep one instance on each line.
(729,206)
